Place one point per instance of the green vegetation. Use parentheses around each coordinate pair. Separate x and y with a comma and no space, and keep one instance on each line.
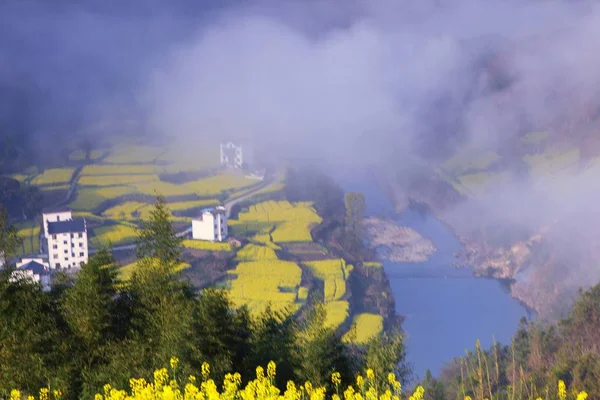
(29,233)
(127,271)
(252,252)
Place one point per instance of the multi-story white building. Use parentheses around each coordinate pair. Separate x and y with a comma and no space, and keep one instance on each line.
(33,270)
(54,215)
(212,225)
(231,155)
(67,239)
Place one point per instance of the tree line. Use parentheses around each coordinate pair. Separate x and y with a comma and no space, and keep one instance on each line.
(92,329)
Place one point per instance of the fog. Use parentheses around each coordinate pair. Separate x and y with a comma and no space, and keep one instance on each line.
(342,84)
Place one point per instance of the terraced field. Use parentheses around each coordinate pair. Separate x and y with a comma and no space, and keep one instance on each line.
(258,283)
(88,199)
(252,252)
(364,327)
(292,222)
(30,234)
(113,234)
(127,271)
(54,176)
(206,245)
(337,313)
(334,274)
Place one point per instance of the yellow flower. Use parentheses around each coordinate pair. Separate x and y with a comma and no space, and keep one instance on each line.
(32,398)
(15,394)
(468,398)
(360,381)
(308,387)
(271,368)
(562,390)
(582,396)
(44,394)
(161,376)
(391,378)
(370,374)
(205,370)
(419,392)
(98,396)
(260,373)
(336,378)
(349,393)
(174,361)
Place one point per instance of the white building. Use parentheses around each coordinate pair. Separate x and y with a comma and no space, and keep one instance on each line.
(231,155)
(67,239)
(212,225)
(54,215)
(34,270)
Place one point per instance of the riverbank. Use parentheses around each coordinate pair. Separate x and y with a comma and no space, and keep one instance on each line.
(399,243)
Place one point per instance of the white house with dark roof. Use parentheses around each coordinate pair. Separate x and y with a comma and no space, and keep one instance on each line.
(67,239)
(212,224)
(33,270)
(54,215)
(231,155)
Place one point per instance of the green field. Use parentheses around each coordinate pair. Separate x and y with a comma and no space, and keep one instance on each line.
(364,327)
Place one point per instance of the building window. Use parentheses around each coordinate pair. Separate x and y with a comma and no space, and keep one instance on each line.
(54,237)
(64,242)
(55,256)
(57,265)
(81,254)
(72,244)
(67,259)
(55,246)
(81,244)
(66,251)
(80,235)
(72,235)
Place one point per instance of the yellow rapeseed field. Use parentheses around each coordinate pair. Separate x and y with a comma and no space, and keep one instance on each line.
(89,199)
(207,245)
(334,274)
(126,271)
(365,326)
(104,169)
(124,210)
(258,283)
(54,176)
(337,312)
(292,221)
(30,234)
(134,154)
(112,180)
(113,234)
(202,187)
(187,205)
(252,252)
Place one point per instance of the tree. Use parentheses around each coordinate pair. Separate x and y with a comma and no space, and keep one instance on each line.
(320,350)
(220,335)
(161,303)
(30,339)
(386,353)
(355,210)
(157,239)
(89,304)
(9,238)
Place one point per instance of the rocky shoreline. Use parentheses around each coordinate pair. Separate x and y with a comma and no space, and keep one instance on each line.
(400,244)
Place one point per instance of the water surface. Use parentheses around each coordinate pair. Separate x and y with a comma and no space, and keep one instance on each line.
(446,308)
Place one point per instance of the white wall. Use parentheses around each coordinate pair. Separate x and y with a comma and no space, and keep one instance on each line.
(28,260)
(212,226)
(53,217)
(44,280)
(67,251)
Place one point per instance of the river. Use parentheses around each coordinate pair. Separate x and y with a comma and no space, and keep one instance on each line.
(446,309)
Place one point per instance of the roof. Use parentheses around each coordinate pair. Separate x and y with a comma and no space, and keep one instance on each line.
(52,210)
(35,267)
(72,225)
